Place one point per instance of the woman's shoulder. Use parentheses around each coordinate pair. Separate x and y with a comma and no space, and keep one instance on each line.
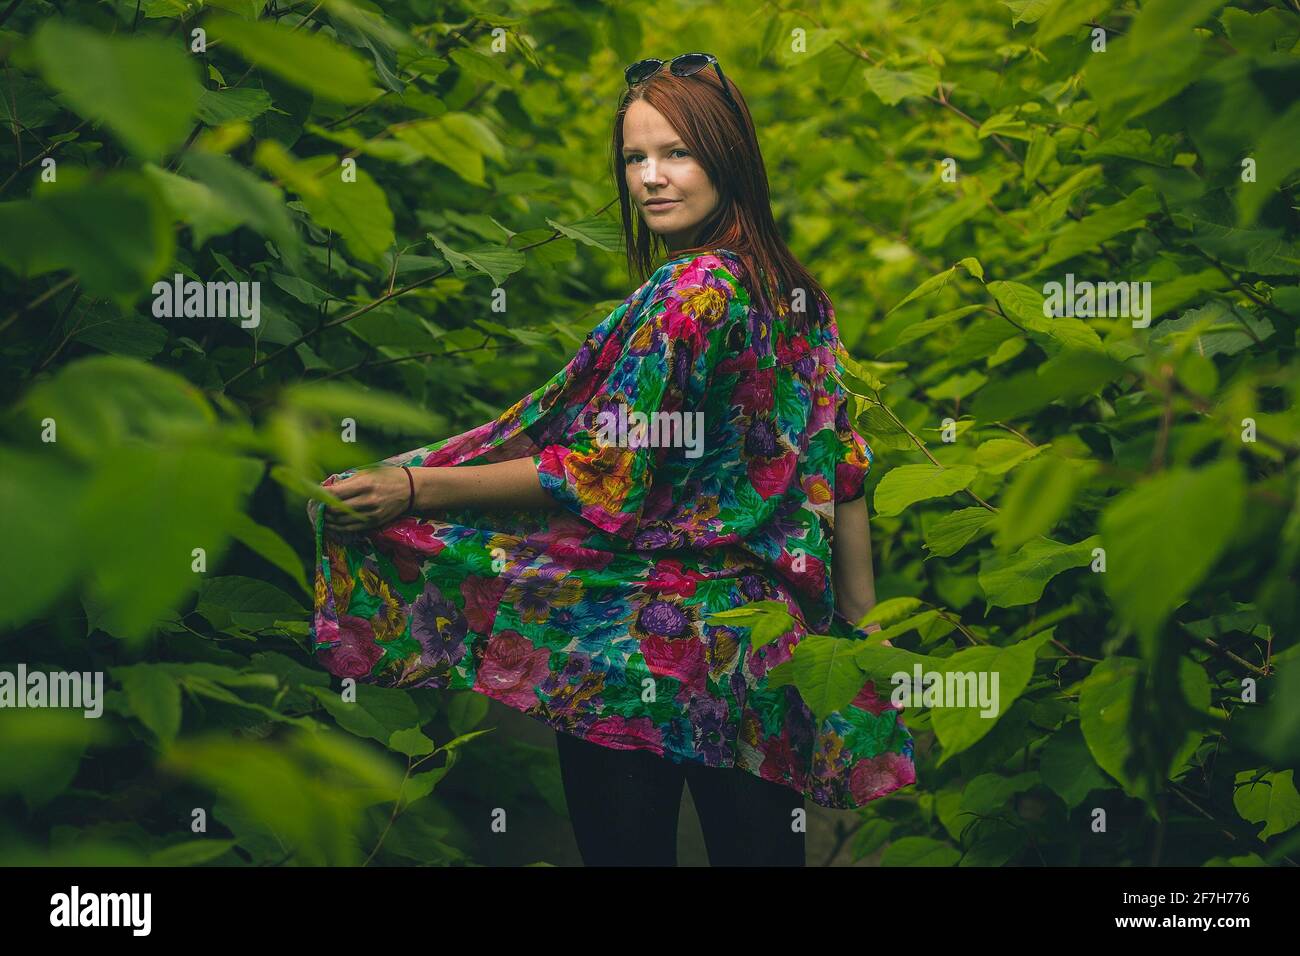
(718,270)
(709,260)
(697,288)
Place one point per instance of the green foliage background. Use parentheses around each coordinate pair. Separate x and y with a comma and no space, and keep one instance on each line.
(1009,447)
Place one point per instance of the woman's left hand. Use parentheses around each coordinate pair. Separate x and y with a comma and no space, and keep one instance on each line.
(380,494)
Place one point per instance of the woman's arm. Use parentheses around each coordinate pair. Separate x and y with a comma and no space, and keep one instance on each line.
(502,484)
(381,494)
(851,572)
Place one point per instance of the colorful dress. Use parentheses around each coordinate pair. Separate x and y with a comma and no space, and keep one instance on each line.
(591,617)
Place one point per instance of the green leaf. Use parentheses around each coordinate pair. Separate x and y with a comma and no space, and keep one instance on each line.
(498,262)
(299,792)
(959,728)
(1067,16)
(194,204)
(949,217)
(255,202)
(768,620)
(358,211)
(308,60)
(1260,33)
(389,150)
(458,141)
(145,89)
(1038,497)
(1027,306)
(43,749)
(101,401)
(1264,251)
(272,547)
(1216,328)
(972,265)
(159,506)
(1163,536)
(300,289)
(466,711)
(1106,700)
(1152,62)
(826,673)
(114,233)
(919,851)
(370,409)
(378,712)
(1271,800)
(420,785)
(1091,231)
(51,558)
(1105,709)
(412,742)
(1042,150)
(1134,144)
(604,234)
(1069,374)
(870,837)
(1275,159)
(949,534)
(256,602)
(1003,124)
(228,106)
(1019,578)
(1067,767)
(1018,300)
(885,433)
(1026,11)
(153,696)
(928,287)
(191,852)
(456,743)
(892,85)
(890,611)
(487,69)
(997,456)
(957,387)
(919,330)
(907,484)
(991,793)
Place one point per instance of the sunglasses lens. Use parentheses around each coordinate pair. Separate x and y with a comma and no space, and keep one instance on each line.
(689,63)
(641,69)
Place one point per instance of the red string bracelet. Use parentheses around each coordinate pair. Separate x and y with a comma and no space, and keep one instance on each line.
(410,504)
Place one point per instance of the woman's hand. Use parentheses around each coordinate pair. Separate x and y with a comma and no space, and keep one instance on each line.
(380,494)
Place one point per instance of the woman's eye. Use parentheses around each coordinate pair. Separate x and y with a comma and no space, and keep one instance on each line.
(633,157)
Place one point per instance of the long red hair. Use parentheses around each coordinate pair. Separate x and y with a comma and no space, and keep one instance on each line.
(728,150)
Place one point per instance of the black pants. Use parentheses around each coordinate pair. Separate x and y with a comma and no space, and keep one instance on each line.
(624,803)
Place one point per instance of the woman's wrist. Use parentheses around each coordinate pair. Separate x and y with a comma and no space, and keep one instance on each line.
(503,484)
(426,490)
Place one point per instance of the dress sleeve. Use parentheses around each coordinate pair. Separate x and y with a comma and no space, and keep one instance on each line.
(855,457)
(604,467)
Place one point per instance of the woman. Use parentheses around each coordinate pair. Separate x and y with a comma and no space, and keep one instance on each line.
(567,564)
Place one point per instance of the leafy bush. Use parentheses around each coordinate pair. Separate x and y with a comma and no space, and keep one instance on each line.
(1102,508)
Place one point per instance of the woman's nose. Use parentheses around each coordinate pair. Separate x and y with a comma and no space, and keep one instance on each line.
(649,173)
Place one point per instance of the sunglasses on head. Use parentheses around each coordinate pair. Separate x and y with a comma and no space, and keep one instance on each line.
(687,64)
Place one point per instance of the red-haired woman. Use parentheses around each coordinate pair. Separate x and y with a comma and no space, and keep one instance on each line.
(695,455)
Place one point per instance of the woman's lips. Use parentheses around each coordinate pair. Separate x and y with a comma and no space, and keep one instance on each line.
(662,205)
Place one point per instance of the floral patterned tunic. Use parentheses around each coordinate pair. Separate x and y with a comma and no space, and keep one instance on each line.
(591,617)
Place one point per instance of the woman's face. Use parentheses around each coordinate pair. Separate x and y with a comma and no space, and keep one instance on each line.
(658,166)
